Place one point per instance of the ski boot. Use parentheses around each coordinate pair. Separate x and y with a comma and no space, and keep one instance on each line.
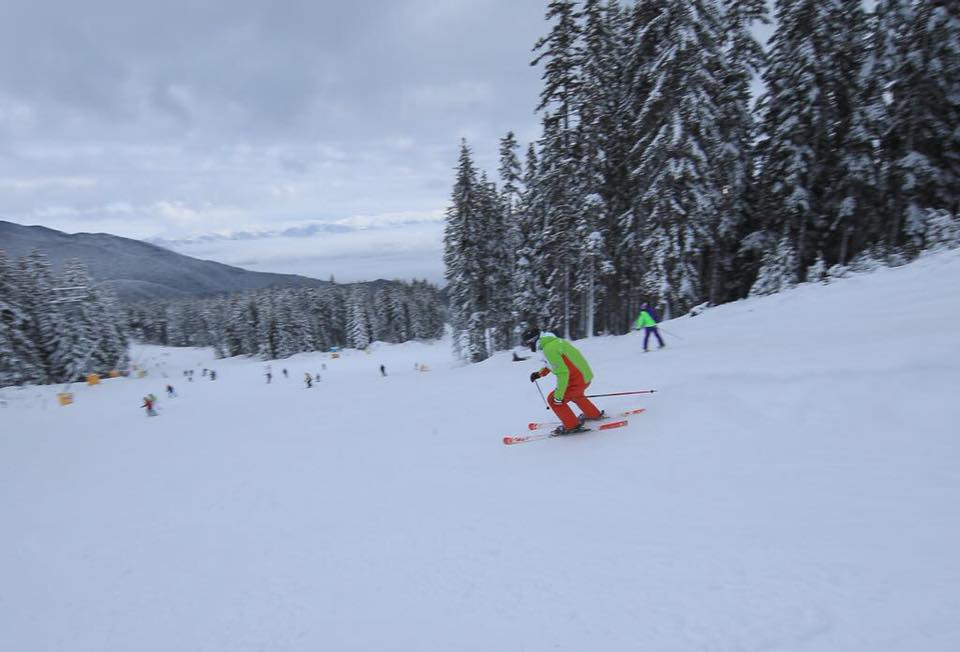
(559,431)
(584,418)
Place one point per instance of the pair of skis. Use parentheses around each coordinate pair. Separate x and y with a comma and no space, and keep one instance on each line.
(605,424)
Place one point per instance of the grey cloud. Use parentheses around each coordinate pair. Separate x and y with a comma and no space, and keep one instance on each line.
(232,115)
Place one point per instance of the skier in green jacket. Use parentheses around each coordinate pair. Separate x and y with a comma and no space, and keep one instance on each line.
(573,377)
(647,320)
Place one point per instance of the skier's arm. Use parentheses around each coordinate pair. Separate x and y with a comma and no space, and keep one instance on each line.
(560,369)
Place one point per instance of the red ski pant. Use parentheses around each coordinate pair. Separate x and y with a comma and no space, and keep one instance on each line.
(575,391)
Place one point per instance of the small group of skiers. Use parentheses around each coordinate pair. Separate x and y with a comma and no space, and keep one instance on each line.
(573,373)
(150,400)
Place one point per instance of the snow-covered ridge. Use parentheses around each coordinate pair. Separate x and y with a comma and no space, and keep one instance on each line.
(792,486)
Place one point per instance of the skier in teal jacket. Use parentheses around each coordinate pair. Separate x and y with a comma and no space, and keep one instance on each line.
(647,320)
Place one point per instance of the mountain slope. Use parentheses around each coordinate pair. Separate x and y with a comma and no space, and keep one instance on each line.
(138,270)
(793,486)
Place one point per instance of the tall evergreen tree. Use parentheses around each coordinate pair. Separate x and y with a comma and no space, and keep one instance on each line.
(511,203)
(530,290)
(464,247)
(811,178)
(678,192)
(559,183)
(921,142)
(19,360)
(743,58)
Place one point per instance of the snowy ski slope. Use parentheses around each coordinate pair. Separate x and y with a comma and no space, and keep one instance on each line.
(795,485)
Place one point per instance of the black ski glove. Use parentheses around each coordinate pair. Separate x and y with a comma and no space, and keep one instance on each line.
(535,376)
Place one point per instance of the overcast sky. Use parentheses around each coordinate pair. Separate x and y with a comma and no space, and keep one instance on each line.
(181,118)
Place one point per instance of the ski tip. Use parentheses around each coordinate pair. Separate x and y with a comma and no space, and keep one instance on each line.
(508,440)
(637,411)
(533,426)
(612,424)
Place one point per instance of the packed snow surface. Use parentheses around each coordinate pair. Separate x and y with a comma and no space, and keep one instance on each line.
(794,485)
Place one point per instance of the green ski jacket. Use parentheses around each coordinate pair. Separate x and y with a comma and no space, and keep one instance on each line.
(564,359)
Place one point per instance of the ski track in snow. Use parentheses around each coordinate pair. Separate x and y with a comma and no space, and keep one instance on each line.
(793,486)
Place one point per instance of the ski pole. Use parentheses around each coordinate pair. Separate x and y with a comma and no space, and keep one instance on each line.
(642,391)
(541,394)
(669,333)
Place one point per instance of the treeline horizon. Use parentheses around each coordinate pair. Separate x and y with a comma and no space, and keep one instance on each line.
(280,322)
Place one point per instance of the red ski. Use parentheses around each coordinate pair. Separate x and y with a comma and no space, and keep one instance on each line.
(522,439)
(554,424)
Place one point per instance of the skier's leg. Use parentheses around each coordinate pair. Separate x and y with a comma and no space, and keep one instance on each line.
(659,339)
(564,413)
(646,337)
(576,394)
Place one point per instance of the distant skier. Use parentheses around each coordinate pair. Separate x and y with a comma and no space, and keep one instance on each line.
(285,373)
(269,377)
(573,378)
(148,402)
(213,375)
(383,370)
(308,379)
(647,320)
(171,392)
(317,377)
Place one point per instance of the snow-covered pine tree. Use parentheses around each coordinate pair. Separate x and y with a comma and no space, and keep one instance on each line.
(561,195)
(496,261)
(358,324)
(33,283)
(463,252)
(778,270)
(399,304)
(743,58)
(559,183)
(113,344)
(592,262)
(921,145)
(853,193)
(426,311)
(676,174)
(511,202)
(643,43)
(18,356)
(382,325)
(808,112)
(942,230)
(78,338)
(529,288)
(510,172)
(604,142)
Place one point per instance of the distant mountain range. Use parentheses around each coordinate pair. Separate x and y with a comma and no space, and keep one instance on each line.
(137,270)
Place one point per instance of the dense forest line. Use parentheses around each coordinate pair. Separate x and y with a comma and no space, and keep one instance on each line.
(277,323)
